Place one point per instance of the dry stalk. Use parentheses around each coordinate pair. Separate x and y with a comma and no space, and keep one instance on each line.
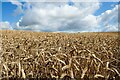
(83,72)
(58,55)
(23,73)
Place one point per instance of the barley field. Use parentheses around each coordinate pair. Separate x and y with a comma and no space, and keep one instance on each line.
(65,56)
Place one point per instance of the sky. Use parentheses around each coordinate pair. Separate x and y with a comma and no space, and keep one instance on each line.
(66,16)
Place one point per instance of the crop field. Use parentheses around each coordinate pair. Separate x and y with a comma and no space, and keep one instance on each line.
(65,56)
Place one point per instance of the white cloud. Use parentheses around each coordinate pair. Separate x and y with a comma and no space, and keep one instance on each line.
(15,2)
(5,25)
(111,28)
(60,17)
(18,10)
(109,19)
(90,7)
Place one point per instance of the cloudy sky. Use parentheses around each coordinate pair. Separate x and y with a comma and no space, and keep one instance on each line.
(68,16)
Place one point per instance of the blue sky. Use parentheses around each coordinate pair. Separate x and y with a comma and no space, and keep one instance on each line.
(0,11)
(105,6)
(8,12)
(9,8)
